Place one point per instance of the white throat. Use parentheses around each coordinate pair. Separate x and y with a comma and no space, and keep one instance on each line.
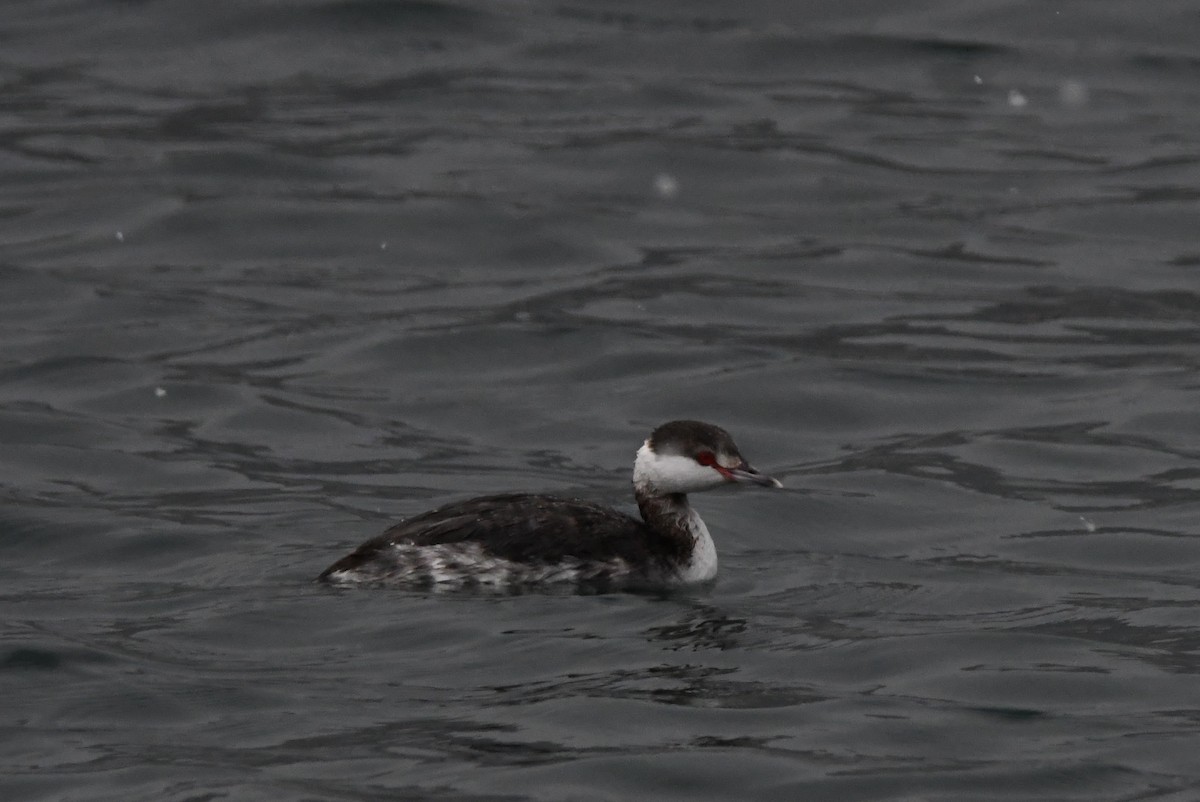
(703,564)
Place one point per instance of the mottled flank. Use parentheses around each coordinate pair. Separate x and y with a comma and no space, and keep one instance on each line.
(516,539)
(455,566)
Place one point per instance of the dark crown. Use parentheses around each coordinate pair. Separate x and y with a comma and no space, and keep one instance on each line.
(691,437)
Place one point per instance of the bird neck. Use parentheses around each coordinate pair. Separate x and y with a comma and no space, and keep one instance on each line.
(667,513)
(692,554)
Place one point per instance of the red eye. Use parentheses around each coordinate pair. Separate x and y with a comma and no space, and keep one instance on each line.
(706,458)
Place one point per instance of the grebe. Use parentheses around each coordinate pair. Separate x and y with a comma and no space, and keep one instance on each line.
(523,539)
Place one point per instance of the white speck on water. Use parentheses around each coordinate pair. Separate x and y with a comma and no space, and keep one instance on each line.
(159,392)
(383,245)
(120,236)
(666,186)
(1073,93)
(1088,525)
(978,81)
(1017,99)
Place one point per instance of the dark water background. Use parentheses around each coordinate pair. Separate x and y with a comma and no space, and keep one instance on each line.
(273,274)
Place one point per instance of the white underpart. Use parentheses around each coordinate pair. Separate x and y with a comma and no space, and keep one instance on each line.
(703,564)
(673,473)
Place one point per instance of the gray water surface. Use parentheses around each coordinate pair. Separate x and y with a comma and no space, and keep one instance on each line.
(273,275)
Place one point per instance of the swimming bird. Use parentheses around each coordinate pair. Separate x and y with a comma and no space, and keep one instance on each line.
(519,539)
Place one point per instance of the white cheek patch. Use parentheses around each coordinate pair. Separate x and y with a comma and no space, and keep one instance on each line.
(671,473)
(728,461)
